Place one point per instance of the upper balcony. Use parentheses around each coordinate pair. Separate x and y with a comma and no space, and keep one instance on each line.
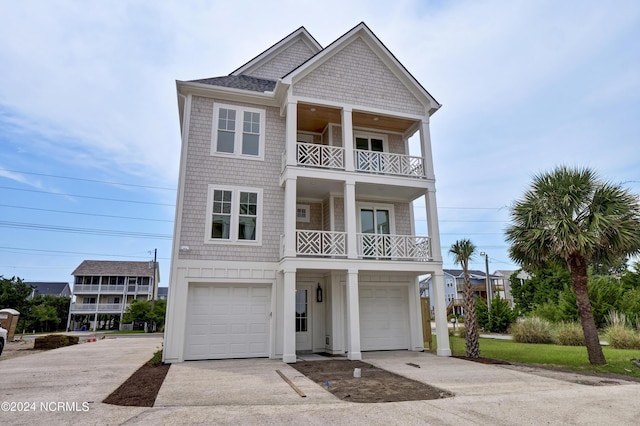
(330,138)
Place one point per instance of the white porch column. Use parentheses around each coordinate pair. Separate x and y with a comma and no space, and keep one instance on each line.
(347,139)
(353,316)
(432,225)
(337,314)
(290,195)
(289,317)
(415,314)
(440,308)
(425,143)
(350,219)
(292,133)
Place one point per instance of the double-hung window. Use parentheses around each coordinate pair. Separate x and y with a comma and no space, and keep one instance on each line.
(234,215)
(238,131)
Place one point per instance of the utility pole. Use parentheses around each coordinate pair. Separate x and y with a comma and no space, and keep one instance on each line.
(488,280)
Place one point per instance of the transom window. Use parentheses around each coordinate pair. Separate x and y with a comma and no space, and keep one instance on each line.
(235,215)
(238,131)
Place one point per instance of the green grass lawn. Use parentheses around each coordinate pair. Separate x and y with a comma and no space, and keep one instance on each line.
(571,357)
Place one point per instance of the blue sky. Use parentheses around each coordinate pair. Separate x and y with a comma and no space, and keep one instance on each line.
(89,133)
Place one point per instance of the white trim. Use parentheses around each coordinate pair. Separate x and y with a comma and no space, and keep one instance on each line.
(357,108)
(233,232)
(238,131)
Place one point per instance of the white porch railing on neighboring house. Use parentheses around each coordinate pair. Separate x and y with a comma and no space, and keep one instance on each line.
(321,243)
(87,288)
(401,247)
(311,154)
(389,164)
(97,307)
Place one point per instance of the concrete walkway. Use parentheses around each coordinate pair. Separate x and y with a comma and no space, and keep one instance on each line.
(251,392)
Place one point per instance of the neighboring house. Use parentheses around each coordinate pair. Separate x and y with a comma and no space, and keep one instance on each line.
(163,292)
(454,288)
(504,283)
(103,289)
(294,223)
(48,288)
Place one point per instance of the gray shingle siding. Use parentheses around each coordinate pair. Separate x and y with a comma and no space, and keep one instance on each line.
(356,75)
(203,169)
(285,62)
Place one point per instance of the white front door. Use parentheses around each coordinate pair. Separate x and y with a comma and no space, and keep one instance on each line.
(304,340)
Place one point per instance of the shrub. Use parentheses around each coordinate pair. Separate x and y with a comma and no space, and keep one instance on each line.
(532,330)
(619,333)
(482,314)
(462,330)
(569,334)
(501,316)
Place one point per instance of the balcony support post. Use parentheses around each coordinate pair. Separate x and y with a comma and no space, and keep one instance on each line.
(289,317)
(425,143)
(292,133)
(440,312)
(347,139)
(432,226)
(290,194)
(353,316)
(350,218)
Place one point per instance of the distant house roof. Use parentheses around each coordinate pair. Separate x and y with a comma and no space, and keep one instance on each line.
(114,267)
(243,82)
(52,288)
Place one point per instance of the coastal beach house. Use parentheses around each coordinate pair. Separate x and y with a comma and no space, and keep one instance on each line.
(103,289)
(294,225)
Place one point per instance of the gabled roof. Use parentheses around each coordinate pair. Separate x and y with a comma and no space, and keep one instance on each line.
(363,31)
(114,267)
(299,34)
(53,288)
(243,82)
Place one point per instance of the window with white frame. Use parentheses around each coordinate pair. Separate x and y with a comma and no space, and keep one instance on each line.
(450,283)
(238,131)
(234,215)
(302,213)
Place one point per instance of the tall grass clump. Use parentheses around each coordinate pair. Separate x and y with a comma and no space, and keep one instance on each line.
(619,333)
(569,334)
(532,330)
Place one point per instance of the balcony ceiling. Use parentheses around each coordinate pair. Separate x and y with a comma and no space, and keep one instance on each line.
(319,190)
(316,121)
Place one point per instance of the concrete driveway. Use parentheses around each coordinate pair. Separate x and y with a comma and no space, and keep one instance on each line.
(251,392)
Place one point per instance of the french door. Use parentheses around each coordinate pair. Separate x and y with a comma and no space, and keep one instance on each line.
(367,153)
(375,225)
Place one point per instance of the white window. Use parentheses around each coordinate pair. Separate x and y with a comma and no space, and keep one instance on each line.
(302,213)
(238,131)
(450,283)
(234,215)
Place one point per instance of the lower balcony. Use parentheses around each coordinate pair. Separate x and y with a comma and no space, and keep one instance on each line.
(97,307)
(369,246)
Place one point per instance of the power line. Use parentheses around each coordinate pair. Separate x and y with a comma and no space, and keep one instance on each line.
(88,180)
(86,196)
(77,252)
(90,231)
(85,214)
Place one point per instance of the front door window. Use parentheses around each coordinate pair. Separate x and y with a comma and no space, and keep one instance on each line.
(302,310)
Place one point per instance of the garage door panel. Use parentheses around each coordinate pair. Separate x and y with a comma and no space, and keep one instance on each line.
(384,318)
(228,321)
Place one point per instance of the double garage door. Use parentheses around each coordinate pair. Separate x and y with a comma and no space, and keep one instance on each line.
(384,318)
(227,321)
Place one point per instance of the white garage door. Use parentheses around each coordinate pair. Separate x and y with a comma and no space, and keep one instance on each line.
(384,318)
(227,321)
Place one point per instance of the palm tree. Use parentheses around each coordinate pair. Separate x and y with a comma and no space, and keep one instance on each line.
(571,215)
(463,251)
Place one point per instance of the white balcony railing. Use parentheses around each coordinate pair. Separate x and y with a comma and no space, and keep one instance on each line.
(321,243)
(389,164)
(86,288)
(119,289)
(97,307)
(394,247)
(370,246)
(311,154)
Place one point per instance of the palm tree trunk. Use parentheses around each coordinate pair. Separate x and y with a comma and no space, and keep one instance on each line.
(470,321)
(578,268)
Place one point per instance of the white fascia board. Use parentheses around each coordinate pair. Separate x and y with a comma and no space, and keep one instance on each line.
(319,264)
(355,107)
(226,93)
(300,34)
